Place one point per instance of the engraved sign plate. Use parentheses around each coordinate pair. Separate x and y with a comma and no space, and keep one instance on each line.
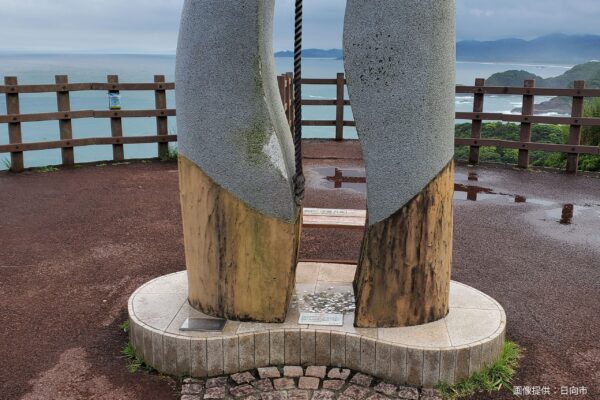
(203,325)
(321,319)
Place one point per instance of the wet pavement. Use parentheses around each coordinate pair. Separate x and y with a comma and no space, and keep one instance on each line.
(76,243)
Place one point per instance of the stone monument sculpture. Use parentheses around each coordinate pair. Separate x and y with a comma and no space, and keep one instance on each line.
(241,223)
(400,66)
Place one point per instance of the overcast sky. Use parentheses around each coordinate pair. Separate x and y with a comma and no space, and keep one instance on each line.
(150,26)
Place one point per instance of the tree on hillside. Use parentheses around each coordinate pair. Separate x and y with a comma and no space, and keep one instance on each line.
(591,134)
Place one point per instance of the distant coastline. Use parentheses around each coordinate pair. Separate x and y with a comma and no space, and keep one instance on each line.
(549,49)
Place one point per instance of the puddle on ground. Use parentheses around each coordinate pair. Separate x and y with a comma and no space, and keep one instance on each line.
(335,178)
(354,179)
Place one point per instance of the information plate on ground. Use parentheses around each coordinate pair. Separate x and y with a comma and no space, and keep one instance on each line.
(321,319)
(203,325)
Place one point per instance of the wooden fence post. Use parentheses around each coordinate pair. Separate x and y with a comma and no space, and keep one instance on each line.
(63,102)
(527,110)
(575,130)
(162,124)
(116,126)
(339,107)
(14,128)
(476,124)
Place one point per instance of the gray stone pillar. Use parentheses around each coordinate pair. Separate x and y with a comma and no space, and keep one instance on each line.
(241,224)
(400,65)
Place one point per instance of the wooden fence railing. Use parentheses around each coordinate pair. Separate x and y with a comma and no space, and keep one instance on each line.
(67,143)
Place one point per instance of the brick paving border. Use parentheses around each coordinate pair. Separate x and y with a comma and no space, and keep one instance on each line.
(298,383)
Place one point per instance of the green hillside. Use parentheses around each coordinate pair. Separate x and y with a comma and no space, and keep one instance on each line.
(589,72)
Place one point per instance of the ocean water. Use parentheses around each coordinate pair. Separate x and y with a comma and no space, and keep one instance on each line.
(40,69)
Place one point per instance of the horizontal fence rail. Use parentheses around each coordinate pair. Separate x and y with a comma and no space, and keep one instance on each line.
(14,118)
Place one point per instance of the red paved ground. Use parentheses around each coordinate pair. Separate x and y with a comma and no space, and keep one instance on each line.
(76,243)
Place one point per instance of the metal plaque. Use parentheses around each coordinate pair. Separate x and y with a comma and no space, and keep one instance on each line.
(321,319)
(203,325)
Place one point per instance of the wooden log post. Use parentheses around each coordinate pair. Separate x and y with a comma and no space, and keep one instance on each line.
(404,269)
(575,130)
(525,134)
(162,122)
(476,124)
(339,106)
(116,126)
(66,128)
(14,127)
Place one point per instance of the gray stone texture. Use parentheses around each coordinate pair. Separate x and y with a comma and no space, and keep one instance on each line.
(230,120)
(401,80)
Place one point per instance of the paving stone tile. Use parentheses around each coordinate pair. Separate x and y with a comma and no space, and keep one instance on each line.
(333,384)
(377,396)
(357,392)
(193,380)
(199,360)
(362,379)
(192,388)
(307,347)
(214,356)
(276,347)
(430,392)
(431,368)
(247,351)
(231,361)
(252,397)
(284,384)
(261,349)
(221,381)
(408,393)
(316,371)
(269,372)
(353,352)
(344,397)
(278,395)
(447,366)
(398,367)
(414,362)
(339,373)
(243,377)
(383,354)
(292,346)
(323,347)
(292,371)
(323,395)
(264,385)
(463,357)
(242,390)
(385,388)
(368,354)
(338,348)
(218,392)
(191,397)
(298,395)
(309,383)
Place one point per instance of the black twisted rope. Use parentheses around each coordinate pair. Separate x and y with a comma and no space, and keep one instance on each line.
(299,177)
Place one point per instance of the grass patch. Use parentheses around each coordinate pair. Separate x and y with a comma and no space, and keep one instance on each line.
(135,363)
(172,155)
(125,326)
(46,169)
(6,163)
(497,377)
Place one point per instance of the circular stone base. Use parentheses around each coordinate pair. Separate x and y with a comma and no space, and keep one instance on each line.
(448,350)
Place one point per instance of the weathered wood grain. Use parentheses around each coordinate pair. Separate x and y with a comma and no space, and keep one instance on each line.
(241,264)
(403,275)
